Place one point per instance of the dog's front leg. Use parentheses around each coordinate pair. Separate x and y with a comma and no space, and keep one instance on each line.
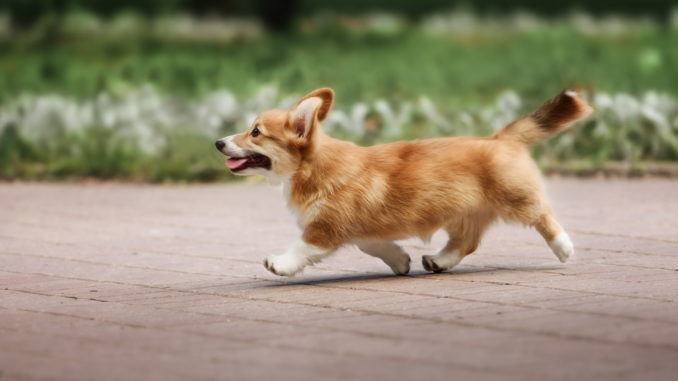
(296,258)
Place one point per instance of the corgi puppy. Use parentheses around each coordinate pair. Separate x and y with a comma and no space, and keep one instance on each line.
(342,193)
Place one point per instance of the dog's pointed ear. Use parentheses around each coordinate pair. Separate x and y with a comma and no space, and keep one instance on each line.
(312,108)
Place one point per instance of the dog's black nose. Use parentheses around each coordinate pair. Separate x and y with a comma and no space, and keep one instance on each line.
(219,144)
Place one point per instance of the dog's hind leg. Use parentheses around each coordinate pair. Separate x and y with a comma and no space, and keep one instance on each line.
(448,257)
(540,216)
(392,254)
(556,237)
(465,235)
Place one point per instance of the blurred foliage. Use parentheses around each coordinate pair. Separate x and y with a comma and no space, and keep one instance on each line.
(136,97)
(360,60)
(145,135)
(280,12)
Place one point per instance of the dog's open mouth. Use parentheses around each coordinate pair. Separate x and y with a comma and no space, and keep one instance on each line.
(256,160)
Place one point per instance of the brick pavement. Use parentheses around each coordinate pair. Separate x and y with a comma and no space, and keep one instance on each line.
(140,282)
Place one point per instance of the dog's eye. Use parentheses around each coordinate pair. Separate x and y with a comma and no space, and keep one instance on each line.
(255,132)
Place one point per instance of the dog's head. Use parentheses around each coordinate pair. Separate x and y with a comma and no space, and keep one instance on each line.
(278,140)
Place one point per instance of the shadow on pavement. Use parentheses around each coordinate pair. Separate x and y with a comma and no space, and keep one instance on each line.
(414,274)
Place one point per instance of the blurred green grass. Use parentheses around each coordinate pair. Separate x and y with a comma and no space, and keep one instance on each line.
(457,71)
(404,65)
(99,154)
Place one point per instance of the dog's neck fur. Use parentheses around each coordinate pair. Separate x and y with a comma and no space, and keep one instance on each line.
(320,174)
(331,164)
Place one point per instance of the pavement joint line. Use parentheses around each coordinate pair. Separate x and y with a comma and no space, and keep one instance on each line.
(414,246)
(361,272)
(302,325)
(310,283)
(133,250)
(622,236)
(232,317)
(596,293)
(27,351)
(608,315)
(78,260)
(444,321)
(265,343)
(90,230)
(615,251)
(607,263)
(356,271)
(162,252)
(643,267)
(489,267)
(142,349)
(387,358)
(71,289)
(20,375)
(292,282)
(556,272)
(222,360)
(528,306)
(86,215)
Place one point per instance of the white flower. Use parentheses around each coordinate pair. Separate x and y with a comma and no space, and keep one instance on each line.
(626,126)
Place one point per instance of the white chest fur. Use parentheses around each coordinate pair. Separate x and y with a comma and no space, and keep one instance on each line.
(305,213)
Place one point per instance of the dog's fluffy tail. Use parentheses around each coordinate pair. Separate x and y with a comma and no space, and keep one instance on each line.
(552,117)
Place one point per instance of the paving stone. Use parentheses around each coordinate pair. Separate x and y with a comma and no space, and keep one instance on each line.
(146,282)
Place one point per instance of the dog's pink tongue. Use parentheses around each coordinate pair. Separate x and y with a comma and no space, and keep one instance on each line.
(235,163)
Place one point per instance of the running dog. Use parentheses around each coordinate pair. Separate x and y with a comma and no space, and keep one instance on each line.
(342,193)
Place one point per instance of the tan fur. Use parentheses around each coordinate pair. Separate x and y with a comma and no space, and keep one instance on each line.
(551,118)
(345,193)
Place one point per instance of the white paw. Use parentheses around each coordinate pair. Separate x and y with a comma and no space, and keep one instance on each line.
(402,266)
(284,265)
(438,263)
(562,246)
